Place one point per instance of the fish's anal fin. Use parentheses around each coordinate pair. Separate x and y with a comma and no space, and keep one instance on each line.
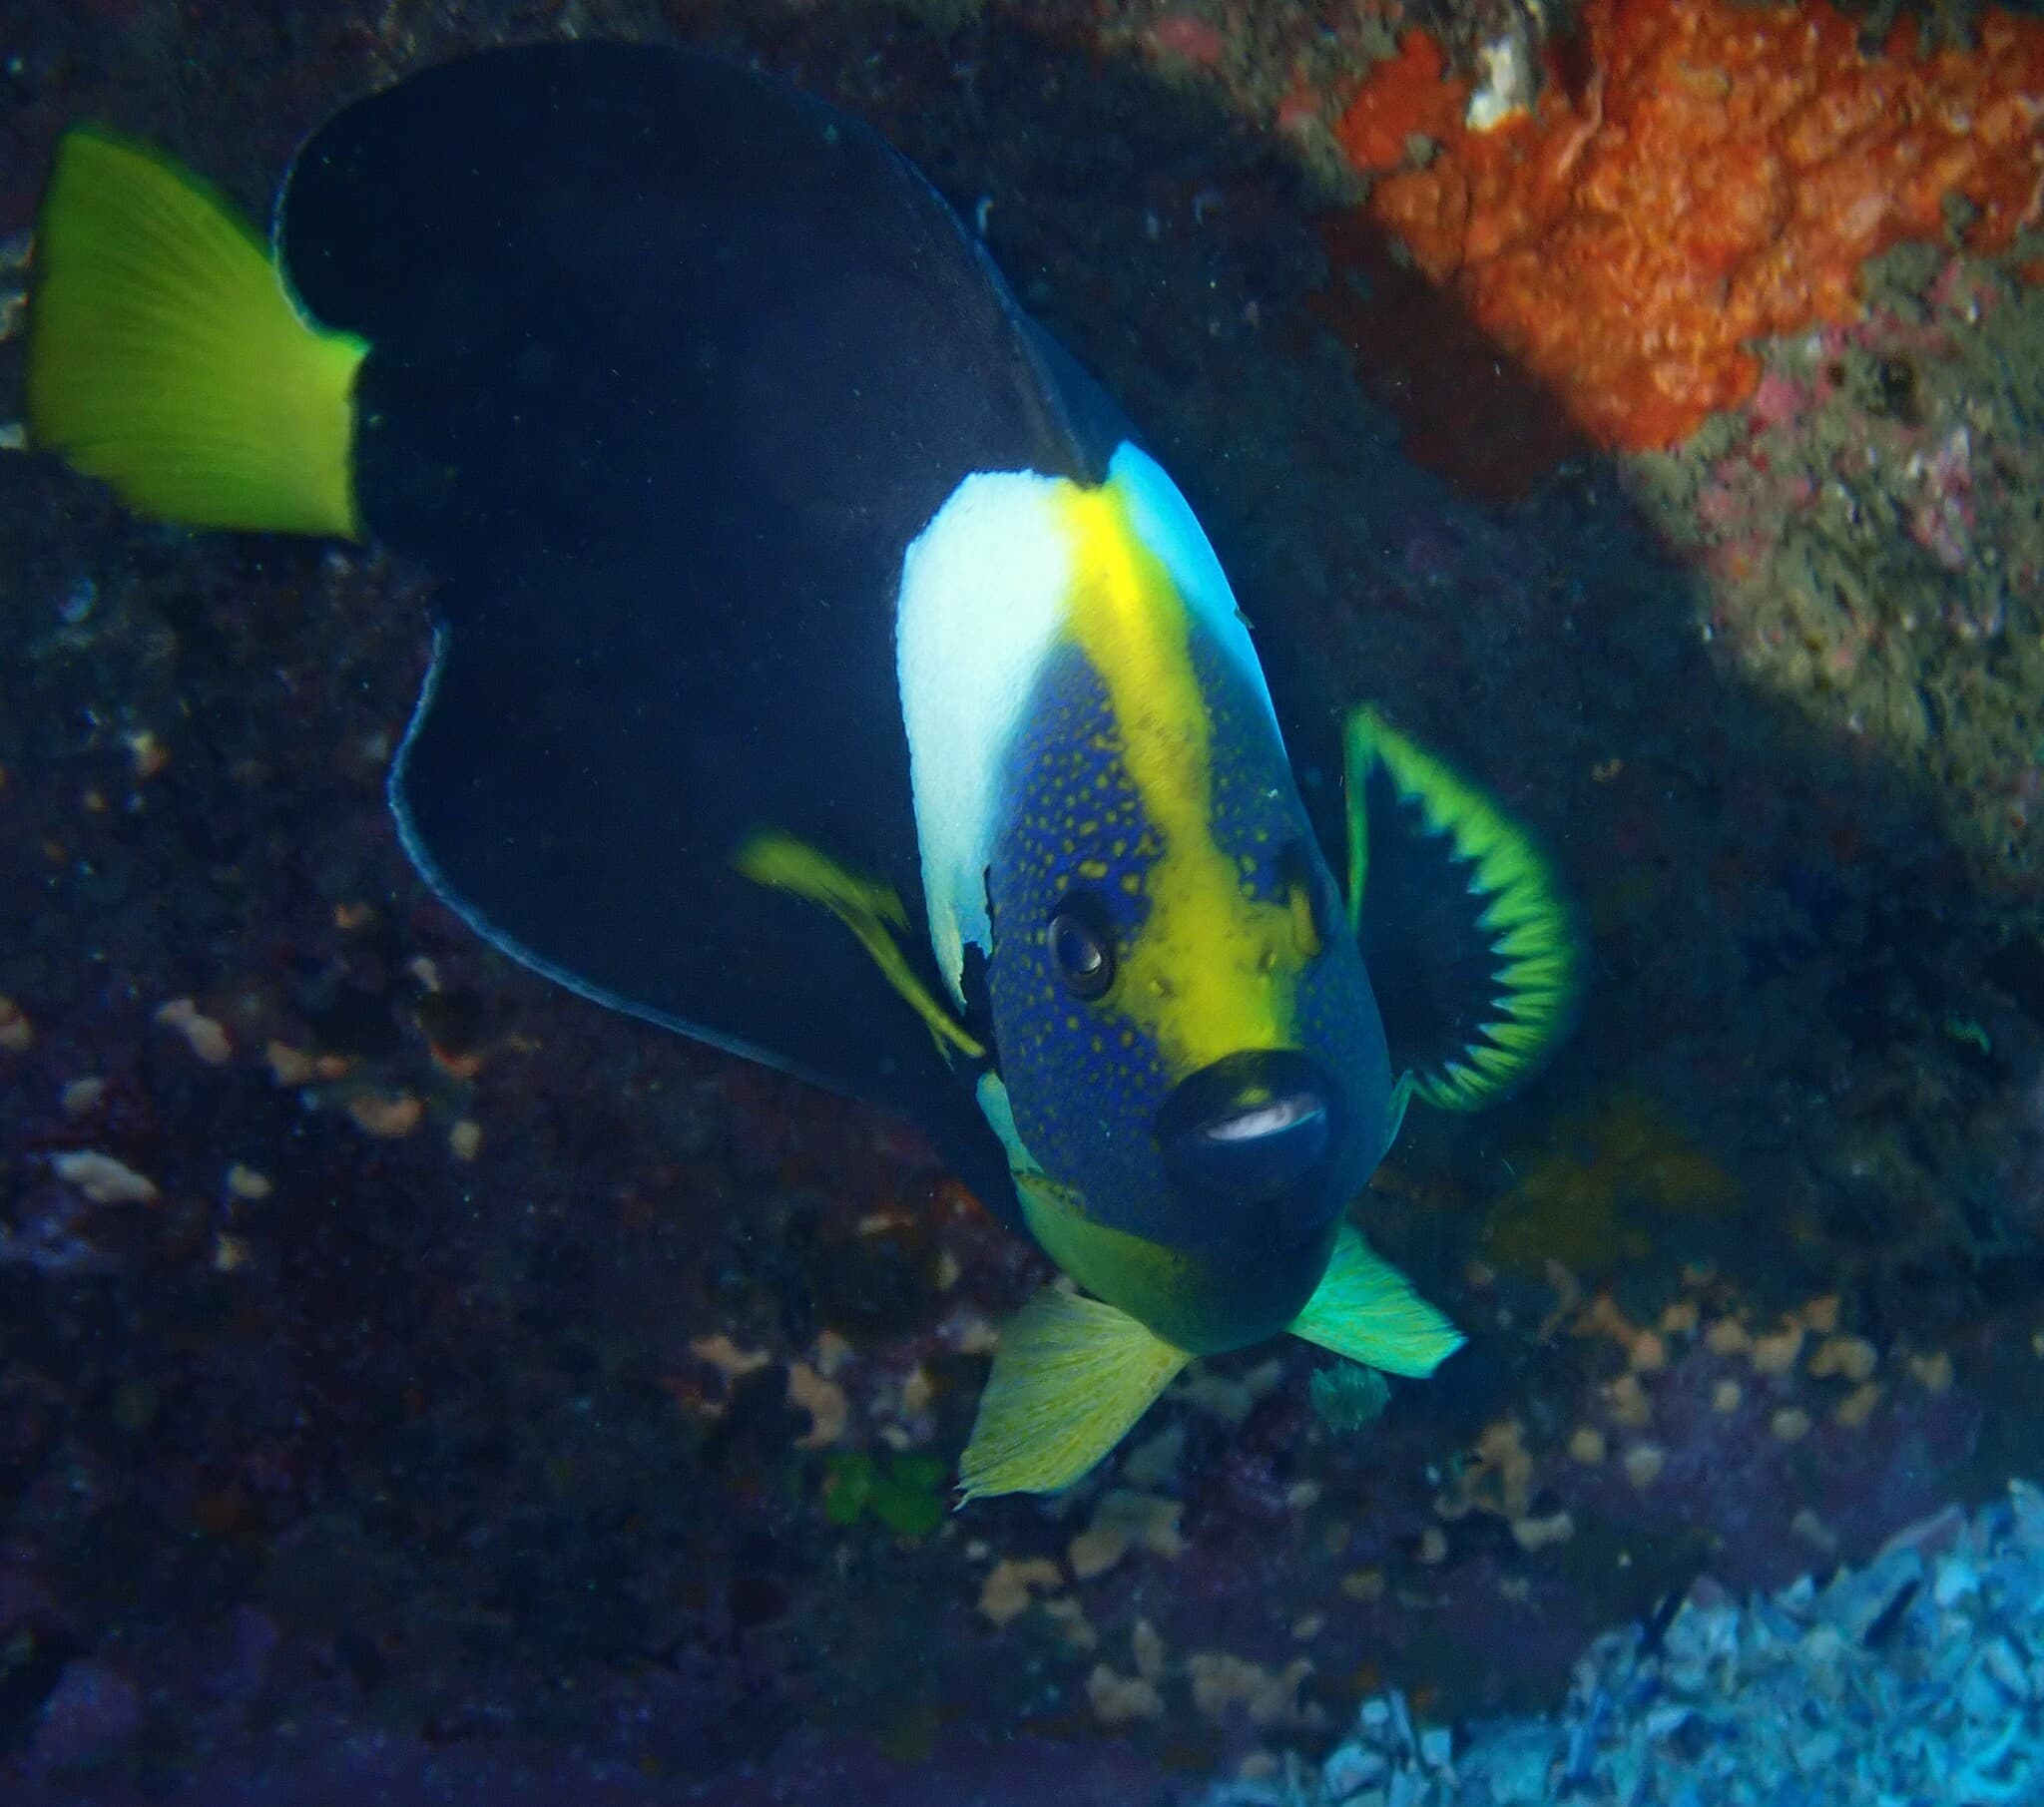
(1071,1376)
(166,357)
(871,911)
(1365,1309)
(1472,948)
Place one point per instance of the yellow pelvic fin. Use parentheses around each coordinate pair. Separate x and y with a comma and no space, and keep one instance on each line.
(1070,1379)
(1365,1309)
(871,911)
(165,358)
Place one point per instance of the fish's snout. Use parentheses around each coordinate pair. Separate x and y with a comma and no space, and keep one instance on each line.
(1257,1129)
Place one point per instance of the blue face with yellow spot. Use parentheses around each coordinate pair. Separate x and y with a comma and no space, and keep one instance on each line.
(1190,1046)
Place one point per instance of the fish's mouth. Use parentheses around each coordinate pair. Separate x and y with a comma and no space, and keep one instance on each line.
(1251,1141)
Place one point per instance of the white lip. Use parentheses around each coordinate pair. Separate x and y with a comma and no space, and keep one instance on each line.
(1265,1120)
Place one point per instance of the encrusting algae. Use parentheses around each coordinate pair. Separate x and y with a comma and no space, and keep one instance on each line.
(1594,1200)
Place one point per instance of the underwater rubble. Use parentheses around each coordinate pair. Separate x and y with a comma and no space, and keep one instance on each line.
(1917,1678)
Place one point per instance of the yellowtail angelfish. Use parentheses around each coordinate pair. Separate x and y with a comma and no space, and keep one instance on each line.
(823,670)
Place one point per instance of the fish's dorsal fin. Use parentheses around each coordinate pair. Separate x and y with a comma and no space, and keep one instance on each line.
(1365,1309)
(1471,949)
(1071,1376)
(872,912)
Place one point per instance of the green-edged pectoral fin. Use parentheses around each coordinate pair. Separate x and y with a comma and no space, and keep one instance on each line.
(1365,1309)
(165,356)
(1071,1377)
(1471,949)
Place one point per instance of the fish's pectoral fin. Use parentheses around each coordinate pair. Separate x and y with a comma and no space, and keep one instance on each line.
(1472,947)
(166,357)
(1071,1376)
(1365,1309)
(870,910)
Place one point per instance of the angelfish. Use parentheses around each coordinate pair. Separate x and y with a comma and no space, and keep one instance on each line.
(823,669)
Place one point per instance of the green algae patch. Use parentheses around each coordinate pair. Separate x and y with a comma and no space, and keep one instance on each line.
(907,1495)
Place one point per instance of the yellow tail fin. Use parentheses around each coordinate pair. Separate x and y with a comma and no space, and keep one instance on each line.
(165,358)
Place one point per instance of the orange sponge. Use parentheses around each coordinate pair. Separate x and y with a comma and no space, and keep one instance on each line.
(1710,174)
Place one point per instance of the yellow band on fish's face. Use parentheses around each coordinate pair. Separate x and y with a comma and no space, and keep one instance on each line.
(1211,969)
(986,601)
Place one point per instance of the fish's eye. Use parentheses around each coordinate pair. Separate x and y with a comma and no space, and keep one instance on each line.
(1080,948)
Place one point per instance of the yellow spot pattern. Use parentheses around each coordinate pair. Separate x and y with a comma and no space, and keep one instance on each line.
(1213,969)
